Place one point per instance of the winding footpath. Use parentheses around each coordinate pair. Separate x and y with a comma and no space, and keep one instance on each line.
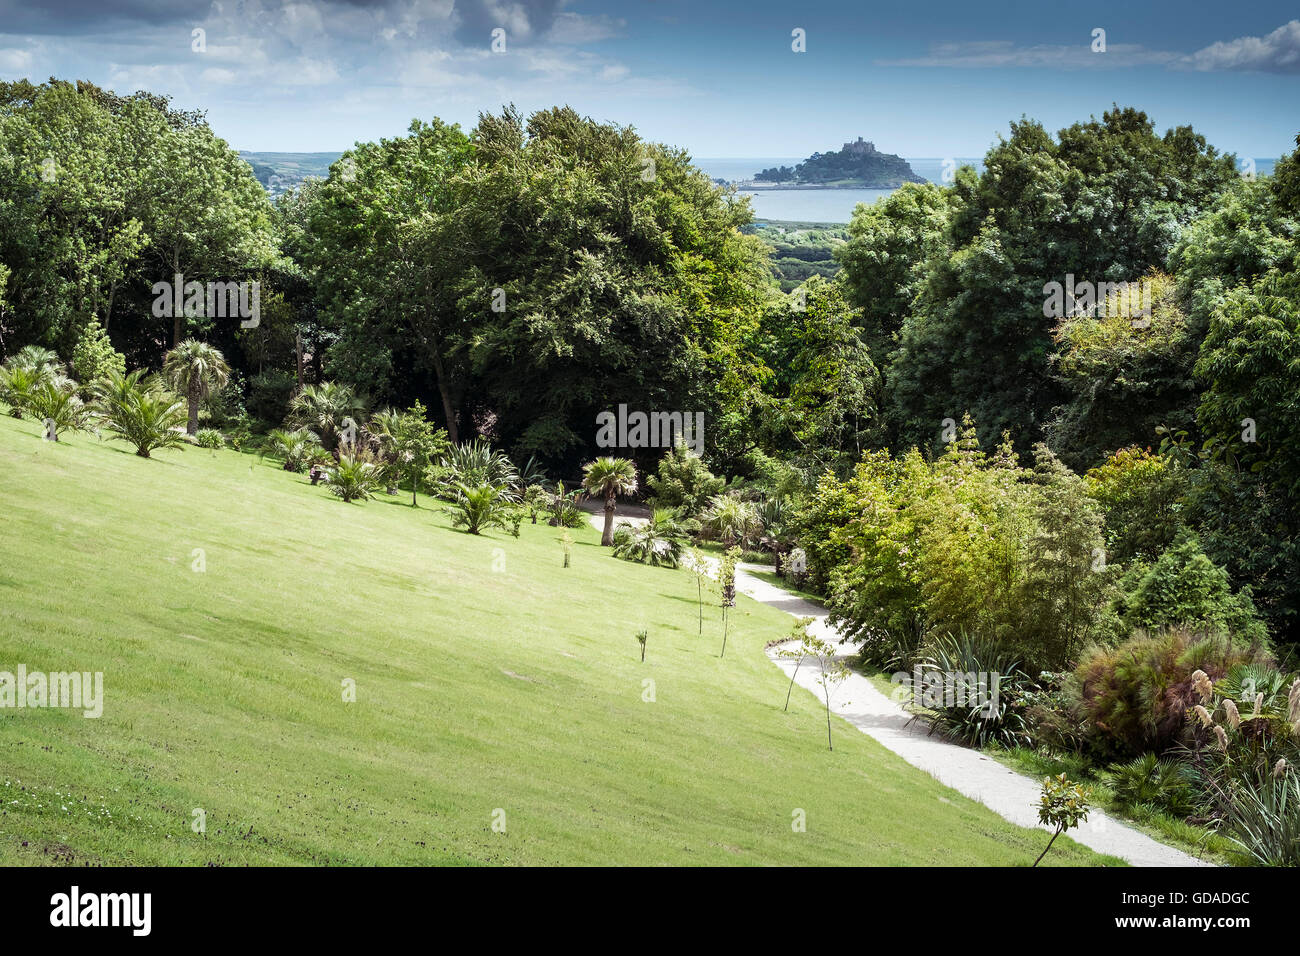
(1007,793)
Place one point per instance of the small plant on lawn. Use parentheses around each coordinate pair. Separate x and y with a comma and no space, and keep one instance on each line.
(566,542)
(727,588)
(562,507)
(477,507)
(833,672)
(799,632)
(409,442)
(354,477)
(209,438)
(641,637)
(1063,806)
(695,563)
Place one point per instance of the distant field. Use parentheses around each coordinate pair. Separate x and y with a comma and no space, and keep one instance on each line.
(488,678)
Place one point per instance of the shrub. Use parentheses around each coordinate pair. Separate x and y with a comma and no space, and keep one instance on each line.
(683,482)
(354,477)
(474,464)
(269,394)
(1135,696)
(658,542)
(298,449)
(140,411)
(1140,495)
(93,357)
(1185,587)
(54,401)
(996,718)
(732,521)
(1263,819)
(1164,783)
(476,507)
(209,438)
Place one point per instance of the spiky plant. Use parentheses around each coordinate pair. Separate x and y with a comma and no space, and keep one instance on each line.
(195,369)
(55,402)
(608,478)
(140,411)
(354,477)
(476,463)
(732,521)
(476,507)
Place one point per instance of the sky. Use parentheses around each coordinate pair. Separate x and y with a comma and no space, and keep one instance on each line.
(934,79)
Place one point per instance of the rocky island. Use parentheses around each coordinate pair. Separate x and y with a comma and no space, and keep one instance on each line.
(857,165)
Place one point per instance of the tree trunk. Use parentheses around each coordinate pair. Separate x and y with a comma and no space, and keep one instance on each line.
(607,536)
(179,313)
(453,433)
(298,349)
(192,425)
(791,687)
(1048,847)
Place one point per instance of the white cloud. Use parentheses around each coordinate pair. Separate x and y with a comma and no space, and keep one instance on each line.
(1279,52)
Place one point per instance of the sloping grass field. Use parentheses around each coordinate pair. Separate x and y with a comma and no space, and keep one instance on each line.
(227,602)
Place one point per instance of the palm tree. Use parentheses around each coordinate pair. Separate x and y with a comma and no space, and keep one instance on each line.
(194,369)
(477,507)
(608,478)
(140,412)
(297,447)
(23,375)
(326,409)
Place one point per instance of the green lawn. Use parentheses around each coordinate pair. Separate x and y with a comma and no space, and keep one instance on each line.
(487,676)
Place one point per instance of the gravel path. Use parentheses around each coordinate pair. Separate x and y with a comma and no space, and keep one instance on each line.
(1006,792)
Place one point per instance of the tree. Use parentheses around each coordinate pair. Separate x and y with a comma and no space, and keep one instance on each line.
(727,588)
(1063,806)
(798,632)
(410,442)
(477,507)
(608,478)
(195,369)
(657,542)
(684,482)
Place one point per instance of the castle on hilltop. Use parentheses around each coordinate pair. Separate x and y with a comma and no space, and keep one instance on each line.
(860,148)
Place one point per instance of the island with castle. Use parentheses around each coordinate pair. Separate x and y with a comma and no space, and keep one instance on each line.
(857,165)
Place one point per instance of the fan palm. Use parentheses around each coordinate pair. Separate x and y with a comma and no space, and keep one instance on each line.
(297,447)
(355,476)
(658,542)
(24,373)
(608,478)
(194,369)
(326,409)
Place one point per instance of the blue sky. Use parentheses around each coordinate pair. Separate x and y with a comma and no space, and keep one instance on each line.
(720,79)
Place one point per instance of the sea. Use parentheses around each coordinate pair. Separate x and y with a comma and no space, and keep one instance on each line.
(834,205)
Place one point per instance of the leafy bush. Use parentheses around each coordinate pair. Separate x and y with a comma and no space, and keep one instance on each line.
(731,521)
(93,357)
(684,482)
(1140,495)
(474,464)
(209,438)
(957,662)
(55,402)
(269,394)
(1186,587)
(298,449)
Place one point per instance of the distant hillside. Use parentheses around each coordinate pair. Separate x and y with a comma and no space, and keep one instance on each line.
(858,164)
(280,172)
